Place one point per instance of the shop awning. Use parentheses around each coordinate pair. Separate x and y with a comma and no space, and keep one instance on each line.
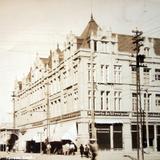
(36,134)
(63,132)
(57,131)
(70,134)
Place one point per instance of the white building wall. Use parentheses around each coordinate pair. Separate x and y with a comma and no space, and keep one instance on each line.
(70,87)
(83,84)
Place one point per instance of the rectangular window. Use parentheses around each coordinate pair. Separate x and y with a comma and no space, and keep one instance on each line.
(107,100)
(58,83)
(134,101)
(117,74)
(64,78)
(102,73)
(134,136)
(94,72)
(94,101)
(146,75)
(65,98)
(75,71)
(157,74)
(157,100)
(89,103)
(133,75)
(89,99)
(106,73)
(147,101)
(75,99)
(102,100)
(117,136)
(89,73)
(95,46)
(117,100)
(113,47)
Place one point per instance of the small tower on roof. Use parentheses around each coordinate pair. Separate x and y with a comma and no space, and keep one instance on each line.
(91,29)
(92,26)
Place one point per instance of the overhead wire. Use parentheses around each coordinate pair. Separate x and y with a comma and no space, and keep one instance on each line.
(151,24)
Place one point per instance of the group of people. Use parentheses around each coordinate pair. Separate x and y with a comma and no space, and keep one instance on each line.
(69,149)
(89,150)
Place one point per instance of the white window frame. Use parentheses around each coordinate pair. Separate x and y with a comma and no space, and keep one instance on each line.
(102,99)
(134,102)
(146,76)
(147,101)
(117,100)
(157,74)
(157,100)
(117,73)
(133,71)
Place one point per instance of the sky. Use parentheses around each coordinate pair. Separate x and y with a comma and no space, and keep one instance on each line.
(31,27)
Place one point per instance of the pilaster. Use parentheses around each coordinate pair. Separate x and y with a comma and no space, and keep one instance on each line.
(127,143)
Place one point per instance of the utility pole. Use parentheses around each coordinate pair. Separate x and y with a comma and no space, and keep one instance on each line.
(14,117)
(47,112)
(147,129)
(137,41)
(93,128)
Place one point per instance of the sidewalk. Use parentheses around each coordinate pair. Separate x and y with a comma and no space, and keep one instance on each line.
(121,155)
(105,155)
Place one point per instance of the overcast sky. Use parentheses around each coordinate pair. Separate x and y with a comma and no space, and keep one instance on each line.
(28,27)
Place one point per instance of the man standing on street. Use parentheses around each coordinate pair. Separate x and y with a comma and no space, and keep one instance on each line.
(48,148)
(81,150)
(93,149)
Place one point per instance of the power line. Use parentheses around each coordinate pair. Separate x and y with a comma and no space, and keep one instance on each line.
(155,28)
(155,34)
(151,19)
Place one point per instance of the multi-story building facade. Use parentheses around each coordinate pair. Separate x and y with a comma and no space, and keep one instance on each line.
(54,100)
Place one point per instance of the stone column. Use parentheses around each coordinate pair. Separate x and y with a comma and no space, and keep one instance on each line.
(83,129)
(83,134)
(127,142)
(155,138)
(111,136)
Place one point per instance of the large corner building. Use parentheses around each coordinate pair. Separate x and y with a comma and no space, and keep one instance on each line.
(54,100)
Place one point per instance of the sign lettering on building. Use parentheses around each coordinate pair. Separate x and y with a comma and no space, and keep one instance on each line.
(109,113)
(65,116)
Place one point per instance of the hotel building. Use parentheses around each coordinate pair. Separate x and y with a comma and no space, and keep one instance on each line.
(54,99)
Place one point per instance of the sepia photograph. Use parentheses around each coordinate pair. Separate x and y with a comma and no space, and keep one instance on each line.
(80,79)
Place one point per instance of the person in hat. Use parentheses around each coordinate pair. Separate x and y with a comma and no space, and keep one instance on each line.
(86,151)
(93,149)
(81,148)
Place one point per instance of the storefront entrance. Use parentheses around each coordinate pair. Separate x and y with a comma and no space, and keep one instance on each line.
(117,136)
(109,136)
(158,138)
(144,142)
(103,136)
